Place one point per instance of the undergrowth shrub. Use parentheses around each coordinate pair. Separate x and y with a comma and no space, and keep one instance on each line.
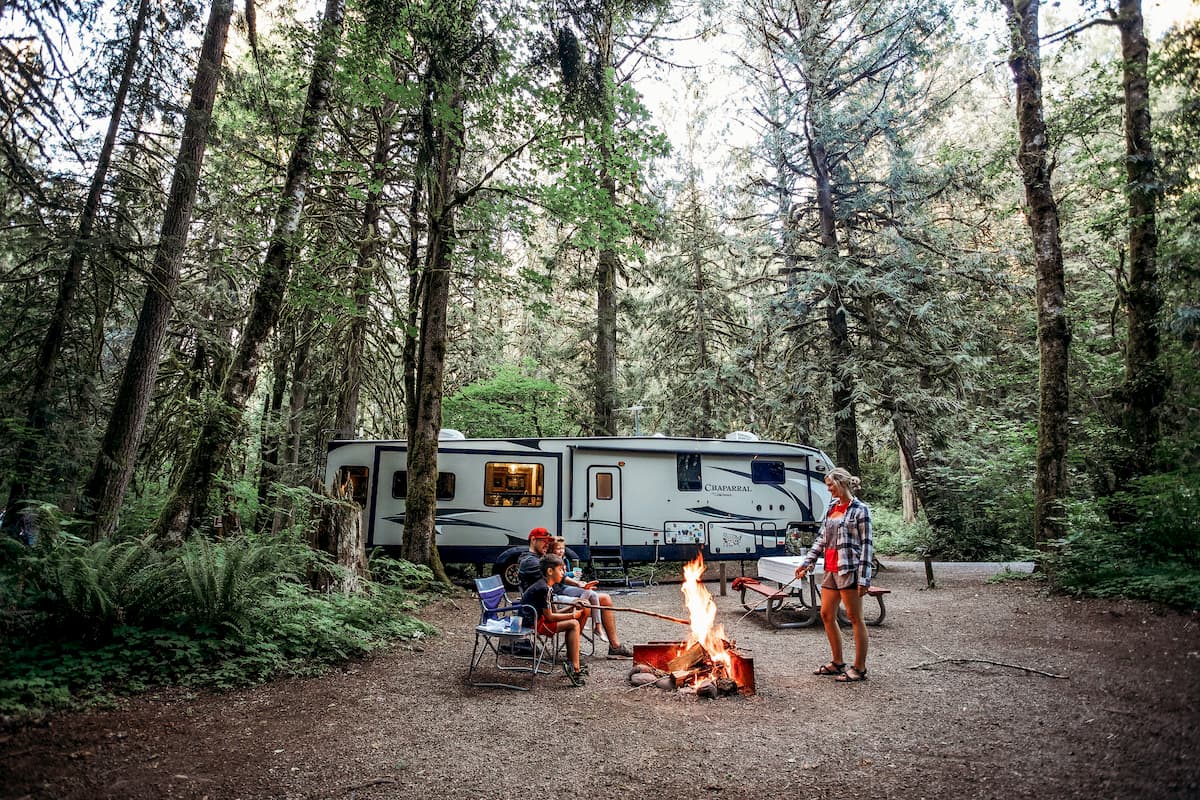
(1142,543)
(214,614)
(218,583)
(893,536)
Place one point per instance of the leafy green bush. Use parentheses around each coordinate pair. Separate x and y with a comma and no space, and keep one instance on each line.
(509,403)
(985,493)
(893,536)
(1142,543)
(87,588)
(218,583)
(221,614)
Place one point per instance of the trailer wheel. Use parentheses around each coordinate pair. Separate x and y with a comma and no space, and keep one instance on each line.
(510,573)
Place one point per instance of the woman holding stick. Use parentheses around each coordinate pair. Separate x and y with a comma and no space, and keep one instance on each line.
(846,543)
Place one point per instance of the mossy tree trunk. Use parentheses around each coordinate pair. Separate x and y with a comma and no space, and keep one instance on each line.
(105,490)
(1054,335)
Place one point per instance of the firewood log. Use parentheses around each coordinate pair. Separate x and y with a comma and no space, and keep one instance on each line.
(687,659)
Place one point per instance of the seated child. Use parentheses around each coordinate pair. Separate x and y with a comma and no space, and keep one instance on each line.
(570,589)
(604,624)
(538,598)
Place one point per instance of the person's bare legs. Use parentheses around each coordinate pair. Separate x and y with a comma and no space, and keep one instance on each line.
(608,618)
(571,629)
(853,601)
(829,606)
(592,598)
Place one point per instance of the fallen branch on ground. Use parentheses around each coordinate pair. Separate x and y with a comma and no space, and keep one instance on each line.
(354,787)
(924,664)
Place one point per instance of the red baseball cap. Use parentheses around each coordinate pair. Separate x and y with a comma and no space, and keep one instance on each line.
(539,533)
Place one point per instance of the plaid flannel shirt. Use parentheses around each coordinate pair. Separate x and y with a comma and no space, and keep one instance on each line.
(851,535)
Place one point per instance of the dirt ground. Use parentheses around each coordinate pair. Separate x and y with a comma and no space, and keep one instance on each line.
(1123,723)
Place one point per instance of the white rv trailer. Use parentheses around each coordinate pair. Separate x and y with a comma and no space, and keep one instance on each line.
(615,500)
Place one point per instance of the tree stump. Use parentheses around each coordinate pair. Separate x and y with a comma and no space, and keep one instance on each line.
(341,534)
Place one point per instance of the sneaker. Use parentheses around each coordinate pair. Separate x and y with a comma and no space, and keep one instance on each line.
(573,675)
(598,633)
(619,651)
(583,668)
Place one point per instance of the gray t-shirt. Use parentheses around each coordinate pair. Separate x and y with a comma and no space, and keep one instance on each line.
(529,569)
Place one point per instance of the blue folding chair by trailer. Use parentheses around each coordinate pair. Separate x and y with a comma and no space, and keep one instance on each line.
(502,632)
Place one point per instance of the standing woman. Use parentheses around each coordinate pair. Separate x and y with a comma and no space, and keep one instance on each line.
(849,552)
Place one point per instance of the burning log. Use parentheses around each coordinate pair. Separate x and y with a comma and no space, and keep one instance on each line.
(687,659)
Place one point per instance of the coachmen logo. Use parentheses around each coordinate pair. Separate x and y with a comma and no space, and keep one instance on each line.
(724,487)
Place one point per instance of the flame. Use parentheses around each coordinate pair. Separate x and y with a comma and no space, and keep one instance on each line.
(702,614)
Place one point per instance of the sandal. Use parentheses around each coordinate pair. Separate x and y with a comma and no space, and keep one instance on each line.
(852,675)
(832,668)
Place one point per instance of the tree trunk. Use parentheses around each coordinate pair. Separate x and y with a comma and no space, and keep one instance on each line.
(37,413)
(268,437)
(297,400)
(908,495)
(189,501)
(114,465)
(364,279)
(845,422)
(604,420)
(914,459)
(1054,336)
(1145,379)
(416,282)
(704,367)
(443,147)
(339,532)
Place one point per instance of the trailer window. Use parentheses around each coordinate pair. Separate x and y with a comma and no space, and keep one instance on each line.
(767,472)
(352,483)
(687,471)
(508,484)
(604,486)
(445,485)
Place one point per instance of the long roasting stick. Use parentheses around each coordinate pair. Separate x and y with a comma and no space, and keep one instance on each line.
(639,611)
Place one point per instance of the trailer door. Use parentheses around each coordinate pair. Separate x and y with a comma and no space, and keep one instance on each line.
(604,517)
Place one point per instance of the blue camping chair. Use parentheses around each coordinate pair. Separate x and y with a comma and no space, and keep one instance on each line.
(502,632)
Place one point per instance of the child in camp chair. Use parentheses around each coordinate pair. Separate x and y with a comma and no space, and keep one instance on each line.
(604,621)
(538,597)
(571,588)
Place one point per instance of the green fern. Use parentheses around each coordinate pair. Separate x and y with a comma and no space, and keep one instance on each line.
(219,583)
(93,587)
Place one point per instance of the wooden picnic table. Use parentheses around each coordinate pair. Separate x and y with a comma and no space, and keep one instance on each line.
(789,603)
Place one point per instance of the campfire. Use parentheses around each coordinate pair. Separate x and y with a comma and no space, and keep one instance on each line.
(706,664)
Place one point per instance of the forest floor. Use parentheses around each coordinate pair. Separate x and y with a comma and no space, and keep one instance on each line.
(1124,722)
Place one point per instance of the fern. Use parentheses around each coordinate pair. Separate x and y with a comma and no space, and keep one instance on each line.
(93,587)
(219,583)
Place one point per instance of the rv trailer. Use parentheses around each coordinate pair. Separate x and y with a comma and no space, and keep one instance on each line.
(616,500)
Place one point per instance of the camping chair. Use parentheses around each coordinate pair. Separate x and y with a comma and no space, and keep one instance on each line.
(501,631)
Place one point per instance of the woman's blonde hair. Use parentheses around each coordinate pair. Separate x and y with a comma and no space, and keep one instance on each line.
(842,477)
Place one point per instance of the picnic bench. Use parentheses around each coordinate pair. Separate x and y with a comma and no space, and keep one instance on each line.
(796,604)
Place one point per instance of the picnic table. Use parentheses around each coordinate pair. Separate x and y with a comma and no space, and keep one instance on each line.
(791,603)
